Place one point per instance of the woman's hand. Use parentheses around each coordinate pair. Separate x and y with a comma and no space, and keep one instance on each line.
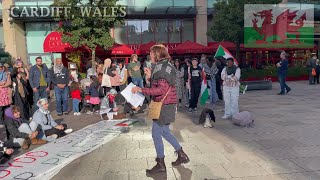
(147,72)
(136,89)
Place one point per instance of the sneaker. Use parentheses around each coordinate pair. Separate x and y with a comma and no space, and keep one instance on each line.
(195,109)
(89,112)
(25,145)
(65,113)
(97,112)
(68,131)
(78,114)
(52,137)
(187,106)
(75,113)
(226,117)
(59,114)
(190,109)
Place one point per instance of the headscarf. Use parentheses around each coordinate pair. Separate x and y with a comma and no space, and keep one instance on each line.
(8,112)
(18,61)
(57,68)
(44,111)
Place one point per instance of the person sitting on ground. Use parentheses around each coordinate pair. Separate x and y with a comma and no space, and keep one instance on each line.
(20,131)
(43,117)
(5,151)
(109,107)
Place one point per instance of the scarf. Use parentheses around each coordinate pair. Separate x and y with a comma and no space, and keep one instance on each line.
(164,70)
(8,112)
(21,89)
(231,70)
(57,68)
(42,110)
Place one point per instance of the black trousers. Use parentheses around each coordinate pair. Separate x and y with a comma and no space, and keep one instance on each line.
(218,88)
(195,92)
(2,109)
(58,132)
(316,79)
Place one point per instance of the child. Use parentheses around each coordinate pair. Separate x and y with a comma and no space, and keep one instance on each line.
(76,97)
(94,94)
(195,79)
(5,151)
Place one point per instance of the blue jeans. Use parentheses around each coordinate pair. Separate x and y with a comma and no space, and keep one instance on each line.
(41,93)
(163,131)
(61,99)
(138,82)
(75,105)
(213,91)
(283,85)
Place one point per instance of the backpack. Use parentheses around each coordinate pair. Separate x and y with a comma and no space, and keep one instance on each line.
(243,119)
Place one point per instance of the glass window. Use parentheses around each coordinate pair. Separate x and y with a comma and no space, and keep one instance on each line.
(210,3)
(174,30)
(187,30)
(147,31)
(134,32)
(35,36)
(184,3)
(161,33)
(120,34)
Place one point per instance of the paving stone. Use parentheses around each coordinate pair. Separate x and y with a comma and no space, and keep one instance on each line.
(280,166)
(106,155)
(201,172)
(123,165)
(141,175)
(270,177)
(243,169)
(276,153)
(280,143)
(116,176)
(309,164)
(315,175)
(80,168)
(306,151)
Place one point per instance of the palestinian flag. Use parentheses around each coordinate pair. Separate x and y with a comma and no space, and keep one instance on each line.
(225,53)
(204,93)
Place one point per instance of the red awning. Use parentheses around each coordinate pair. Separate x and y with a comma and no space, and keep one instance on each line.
(53,43)
(225,44)
(122,50)
(145,48)
(191,47)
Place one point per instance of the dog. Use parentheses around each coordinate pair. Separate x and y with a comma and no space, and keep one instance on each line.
(206,116)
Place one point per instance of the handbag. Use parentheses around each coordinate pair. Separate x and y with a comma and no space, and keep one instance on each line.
(313,72)
(155,108)
(106,82)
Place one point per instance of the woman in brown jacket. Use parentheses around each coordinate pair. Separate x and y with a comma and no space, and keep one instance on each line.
(163,81)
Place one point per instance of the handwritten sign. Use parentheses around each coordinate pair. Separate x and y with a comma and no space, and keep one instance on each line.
(46,161)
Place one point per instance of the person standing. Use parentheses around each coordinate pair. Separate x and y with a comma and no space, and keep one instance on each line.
(282,73)
(134,71)
(211,70)
(186,67)
(220,67)
(163,82)
(39,80)
(60,80)
(231,76)
(316,78)
(5,83)
(195,79)
(179,80)
(311,63)
(20,97)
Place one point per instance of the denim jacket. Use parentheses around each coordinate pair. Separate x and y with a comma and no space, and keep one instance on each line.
(34,78)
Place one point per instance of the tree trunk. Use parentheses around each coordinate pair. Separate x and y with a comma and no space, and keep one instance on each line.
(93,59)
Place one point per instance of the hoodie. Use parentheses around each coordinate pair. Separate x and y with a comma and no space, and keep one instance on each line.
(12,125)
(60,77)
(44,118)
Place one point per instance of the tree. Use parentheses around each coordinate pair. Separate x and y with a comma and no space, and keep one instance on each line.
(228,23)
(87,23)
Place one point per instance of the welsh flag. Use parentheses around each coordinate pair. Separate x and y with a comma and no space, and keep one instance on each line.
(225,53)
(204,93)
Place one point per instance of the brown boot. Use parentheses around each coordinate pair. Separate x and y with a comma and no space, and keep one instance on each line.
(36,141)
(119,116)
(25,144)
(182,158)
(160,167)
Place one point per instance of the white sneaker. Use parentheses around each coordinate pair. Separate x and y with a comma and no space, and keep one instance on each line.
(89,113)
(78,114)
(52,137)
(75,113)
(68,131)
(226,117)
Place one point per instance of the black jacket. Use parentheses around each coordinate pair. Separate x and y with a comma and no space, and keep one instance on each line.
(60,78)
(12,128)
